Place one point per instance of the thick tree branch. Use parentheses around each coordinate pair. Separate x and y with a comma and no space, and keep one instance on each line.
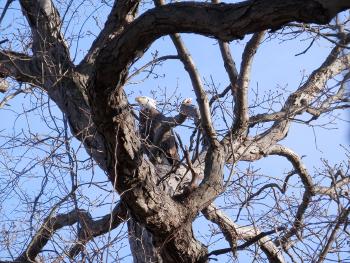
(45,23)
(316,83)
(296,102)
(246,244)
(241,106)
(57,73)
(10,96)
(90,229)
(224,21)
(20,67)
(212,173)
(123,13)
(308,185)
(230,67)
(333,191)
(114,59)
(334,6)
(300,101)
(49,46)
(227,227)
(201,96)
(234,232)
(253,148)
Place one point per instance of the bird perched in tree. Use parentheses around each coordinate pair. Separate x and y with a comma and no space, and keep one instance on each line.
(187,101)
(146,102)
(190,110)
(3,85)
(159,142)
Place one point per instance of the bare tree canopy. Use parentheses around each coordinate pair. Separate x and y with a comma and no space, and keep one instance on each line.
(88,172)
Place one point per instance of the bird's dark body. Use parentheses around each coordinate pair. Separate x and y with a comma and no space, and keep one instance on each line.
(159,140)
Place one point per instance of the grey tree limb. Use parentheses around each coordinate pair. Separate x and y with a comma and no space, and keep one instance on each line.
(241,105)
(309,192)
(90,229)
(20,67)
(233,232)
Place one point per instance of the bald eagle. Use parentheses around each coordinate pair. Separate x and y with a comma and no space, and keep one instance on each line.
(159,142)
(146,102)
(190,110)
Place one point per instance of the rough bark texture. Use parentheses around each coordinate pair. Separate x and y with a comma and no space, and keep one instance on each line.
(92,98)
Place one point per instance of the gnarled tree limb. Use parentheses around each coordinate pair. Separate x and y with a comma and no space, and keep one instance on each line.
(308,185)
(20,67)
(90,229)
(234,232)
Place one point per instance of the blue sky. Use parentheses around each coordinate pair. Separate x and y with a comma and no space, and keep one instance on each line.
(274,68)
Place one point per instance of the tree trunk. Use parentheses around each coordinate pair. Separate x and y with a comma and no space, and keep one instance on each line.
(145,249)
(141,244)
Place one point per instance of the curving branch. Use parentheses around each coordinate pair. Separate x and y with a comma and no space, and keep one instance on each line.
(316,83)
(254,148)
(308,185)
(337,101)
(90,229)
(51,69)
(49,46)
(223,21)
(212,183)
(201,95)
(123,13)
(233,232)
(315,107)
(202,98)
(230,67)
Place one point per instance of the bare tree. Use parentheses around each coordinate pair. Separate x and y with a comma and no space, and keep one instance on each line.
(94,152)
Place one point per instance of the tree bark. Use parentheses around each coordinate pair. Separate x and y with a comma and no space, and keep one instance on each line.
(96,106)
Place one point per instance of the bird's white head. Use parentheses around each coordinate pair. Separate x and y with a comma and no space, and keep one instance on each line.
(146,102)
(187,101)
